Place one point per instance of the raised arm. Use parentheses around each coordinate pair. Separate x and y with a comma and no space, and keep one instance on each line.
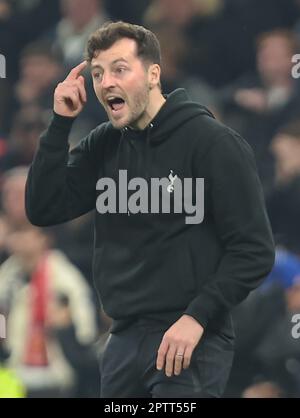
(61,185)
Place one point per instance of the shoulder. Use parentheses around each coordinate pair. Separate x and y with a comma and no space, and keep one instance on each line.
(213,136)
(102,134)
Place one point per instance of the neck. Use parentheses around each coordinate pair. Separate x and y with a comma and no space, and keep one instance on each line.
(156,101)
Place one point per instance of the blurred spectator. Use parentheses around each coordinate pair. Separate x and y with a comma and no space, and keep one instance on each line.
(220,33)
(129,11)
(174,49)
(10,385)
(250,18)
(263,390)
(12,216)
(5,113)
(75,239)
(201,22)
(257,105)
(63,311)
(80,19)
(283,202)
(22,25)
(51,320)
(40,71)
(18,27)
(179,13)
(206,44)
(26,129)
(12,199)
(286,270)
(296,27)
(265,347)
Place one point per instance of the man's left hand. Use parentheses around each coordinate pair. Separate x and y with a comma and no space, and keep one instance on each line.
(177,346)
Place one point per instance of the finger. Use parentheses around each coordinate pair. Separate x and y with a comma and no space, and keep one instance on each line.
(75,72)
(73,87)
(161,354)
(187,357)
(178,360)
(81,88)
(170,360)
(72,99)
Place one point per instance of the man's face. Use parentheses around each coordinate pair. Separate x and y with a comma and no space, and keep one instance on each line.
(121,83)
(274,59)
(39,71)
(286,150)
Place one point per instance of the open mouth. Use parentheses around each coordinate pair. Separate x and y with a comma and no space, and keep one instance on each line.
(115,103)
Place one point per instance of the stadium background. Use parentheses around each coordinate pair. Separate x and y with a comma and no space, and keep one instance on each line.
(235,57)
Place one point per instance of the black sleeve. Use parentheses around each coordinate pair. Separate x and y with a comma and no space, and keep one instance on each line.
(81,356)
(241,221)
(60,185)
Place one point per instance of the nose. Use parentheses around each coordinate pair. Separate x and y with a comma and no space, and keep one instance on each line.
(107,81)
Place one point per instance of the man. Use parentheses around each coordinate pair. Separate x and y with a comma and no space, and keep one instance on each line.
(283,201)
(168,280)
(51,318)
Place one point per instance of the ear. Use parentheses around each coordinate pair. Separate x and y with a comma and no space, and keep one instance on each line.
(154,75)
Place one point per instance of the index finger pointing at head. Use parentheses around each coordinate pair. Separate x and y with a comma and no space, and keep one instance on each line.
(75,72)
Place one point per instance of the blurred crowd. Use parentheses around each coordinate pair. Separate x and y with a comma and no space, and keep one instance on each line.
(233,56)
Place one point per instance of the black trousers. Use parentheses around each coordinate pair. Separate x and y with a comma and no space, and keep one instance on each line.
(128,366)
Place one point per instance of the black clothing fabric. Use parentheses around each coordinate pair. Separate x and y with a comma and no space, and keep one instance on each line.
(155,265)
(128,366)
(84,361)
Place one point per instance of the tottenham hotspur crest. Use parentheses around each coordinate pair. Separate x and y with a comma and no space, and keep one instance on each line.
(172,178)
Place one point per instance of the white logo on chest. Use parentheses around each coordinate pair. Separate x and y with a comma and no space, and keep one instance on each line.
(172,178)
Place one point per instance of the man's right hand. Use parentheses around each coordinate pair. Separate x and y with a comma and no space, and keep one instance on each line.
(70,95)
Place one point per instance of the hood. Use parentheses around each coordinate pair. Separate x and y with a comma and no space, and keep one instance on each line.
(177,110)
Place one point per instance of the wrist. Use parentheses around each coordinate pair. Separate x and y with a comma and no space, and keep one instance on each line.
(193,320)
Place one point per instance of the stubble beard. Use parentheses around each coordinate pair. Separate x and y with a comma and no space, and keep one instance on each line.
(137,110)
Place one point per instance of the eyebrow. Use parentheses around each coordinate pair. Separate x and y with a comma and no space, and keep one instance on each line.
(112,63)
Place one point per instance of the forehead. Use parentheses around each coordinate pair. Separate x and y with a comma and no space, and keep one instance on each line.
(284,142)
(125,49)
(275,42)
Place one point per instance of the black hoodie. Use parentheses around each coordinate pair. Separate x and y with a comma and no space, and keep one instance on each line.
(156,265)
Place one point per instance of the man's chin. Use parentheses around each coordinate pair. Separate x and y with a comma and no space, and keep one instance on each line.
(118,124)
(122,122)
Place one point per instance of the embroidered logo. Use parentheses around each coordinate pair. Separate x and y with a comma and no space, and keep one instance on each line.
(172,178)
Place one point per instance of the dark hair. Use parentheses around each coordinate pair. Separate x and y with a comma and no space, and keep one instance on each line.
(41,48)
(286,34)
(291,129)
(148,48)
